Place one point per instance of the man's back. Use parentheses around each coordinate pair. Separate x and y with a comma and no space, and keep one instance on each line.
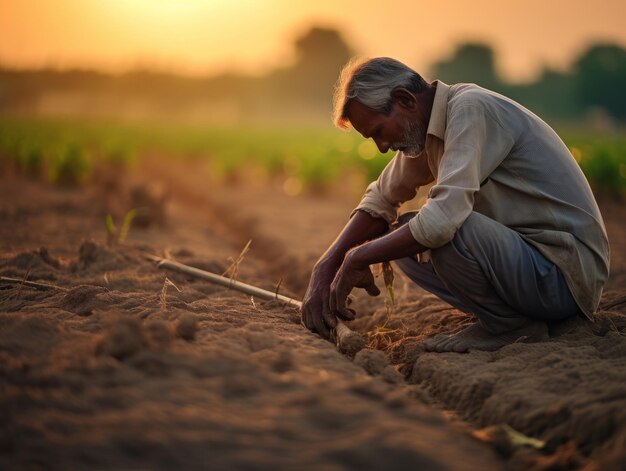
(539,190)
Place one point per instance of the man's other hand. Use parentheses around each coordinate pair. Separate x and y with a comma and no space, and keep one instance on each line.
(350,276)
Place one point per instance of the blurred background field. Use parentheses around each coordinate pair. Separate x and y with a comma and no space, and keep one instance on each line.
(311,159)
(67,111)
(304,159)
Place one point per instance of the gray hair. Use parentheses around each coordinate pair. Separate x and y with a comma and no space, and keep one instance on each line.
(370,82)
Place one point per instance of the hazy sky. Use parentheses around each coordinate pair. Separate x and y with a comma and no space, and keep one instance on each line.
(209,36)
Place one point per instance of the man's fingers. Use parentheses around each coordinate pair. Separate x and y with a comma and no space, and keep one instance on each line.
(372,290)
(347,314)
(338,301)
(332,298)
(329,318)
(368,284)
(306,319)
(318,319)
(321,328)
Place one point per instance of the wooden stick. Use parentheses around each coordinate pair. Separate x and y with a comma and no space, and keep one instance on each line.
(30,284)
(347,340)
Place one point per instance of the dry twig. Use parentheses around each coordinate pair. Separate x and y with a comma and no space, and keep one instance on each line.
(30,284)
(233,269)
(163,296)
(19,290)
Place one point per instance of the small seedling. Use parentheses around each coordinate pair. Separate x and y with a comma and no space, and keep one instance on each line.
(388,278)
(113,235)
(519,439)
(381,338)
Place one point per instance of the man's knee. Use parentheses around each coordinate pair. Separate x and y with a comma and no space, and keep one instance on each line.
(474,230)
(444,259)
(477,227)
(459,250)
(464,246)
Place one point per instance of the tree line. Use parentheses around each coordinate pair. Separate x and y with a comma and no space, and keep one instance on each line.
(302,91)
(595,80)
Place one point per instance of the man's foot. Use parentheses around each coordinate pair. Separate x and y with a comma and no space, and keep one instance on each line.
(476,337)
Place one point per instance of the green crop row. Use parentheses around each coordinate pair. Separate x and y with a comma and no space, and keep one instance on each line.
(64,152)
(69,152)
(603,161)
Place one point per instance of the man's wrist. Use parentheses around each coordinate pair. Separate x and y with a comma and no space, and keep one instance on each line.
(357,258)
(328,264)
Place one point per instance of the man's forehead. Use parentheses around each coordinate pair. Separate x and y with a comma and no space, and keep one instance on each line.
(361,117)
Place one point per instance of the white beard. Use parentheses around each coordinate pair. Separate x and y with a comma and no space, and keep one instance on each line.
(413,140)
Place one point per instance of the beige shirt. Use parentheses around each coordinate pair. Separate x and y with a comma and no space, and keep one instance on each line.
(491,155)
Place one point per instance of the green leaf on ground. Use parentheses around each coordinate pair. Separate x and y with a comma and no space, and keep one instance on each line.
(519,439)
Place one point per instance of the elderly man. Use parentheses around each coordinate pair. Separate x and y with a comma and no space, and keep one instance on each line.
(514,234)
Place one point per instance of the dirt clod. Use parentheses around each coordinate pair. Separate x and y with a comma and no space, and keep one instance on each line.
(149,200)
(123,339)
(82,299)
(372,361)
(186,327)
(159,333)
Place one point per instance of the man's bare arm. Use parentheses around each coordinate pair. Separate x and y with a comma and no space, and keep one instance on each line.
(354,270)
(316,313)
(362,227)
(397,244)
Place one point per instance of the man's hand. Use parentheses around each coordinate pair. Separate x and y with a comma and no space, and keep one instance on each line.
(350,275)
(316,313)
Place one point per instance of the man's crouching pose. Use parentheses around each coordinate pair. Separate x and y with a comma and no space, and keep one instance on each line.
(514,233)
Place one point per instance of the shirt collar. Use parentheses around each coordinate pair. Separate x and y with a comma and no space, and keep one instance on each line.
(438,115)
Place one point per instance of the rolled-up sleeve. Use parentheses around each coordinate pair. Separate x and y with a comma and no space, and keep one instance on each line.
(475,143)
(375,204)
(395,185)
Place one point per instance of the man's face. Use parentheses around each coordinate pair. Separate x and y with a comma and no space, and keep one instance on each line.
(402,129)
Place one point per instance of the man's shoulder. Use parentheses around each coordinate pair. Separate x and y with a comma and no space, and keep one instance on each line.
(487,102)
(462,94)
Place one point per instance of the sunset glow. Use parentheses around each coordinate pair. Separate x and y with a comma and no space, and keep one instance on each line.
(209,36)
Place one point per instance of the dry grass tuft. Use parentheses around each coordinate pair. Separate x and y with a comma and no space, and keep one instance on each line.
(233,269)
(163,296)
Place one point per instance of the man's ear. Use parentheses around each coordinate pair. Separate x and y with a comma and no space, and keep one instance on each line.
(404,98)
